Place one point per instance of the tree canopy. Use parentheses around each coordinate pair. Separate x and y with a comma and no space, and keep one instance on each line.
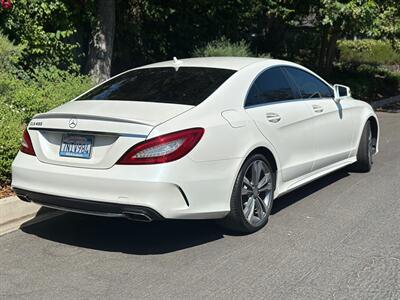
(101,37)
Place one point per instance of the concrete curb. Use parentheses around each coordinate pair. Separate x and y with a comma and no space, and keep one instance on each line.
(14,213)
(384,102)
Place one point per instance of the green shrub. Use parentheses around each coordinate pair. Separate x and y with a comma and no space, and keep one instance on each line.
(223,47)
(45,90)
(364,66)
(46,29)
(367,82)
(10,134)
(9,53)
(379,52)
(21,99)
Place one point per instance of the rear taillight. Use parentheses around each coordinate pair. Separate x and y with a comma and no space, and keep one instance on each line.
(164,148)
(26,144)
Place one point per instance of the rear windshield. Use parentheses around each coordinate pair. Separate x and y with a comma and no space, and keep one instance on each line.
(187,85)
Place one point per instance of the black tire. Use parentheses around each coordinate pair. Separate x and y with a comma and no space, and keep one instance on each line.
(365,151)
(236,220)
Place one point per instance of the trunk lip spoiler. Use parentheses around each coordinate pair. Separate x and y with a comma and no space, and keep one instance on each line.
(87,117)
(89,132)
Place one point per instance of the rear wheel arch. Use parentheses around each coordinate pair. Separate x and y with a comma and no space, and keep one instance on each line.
(270,158)
(267,154)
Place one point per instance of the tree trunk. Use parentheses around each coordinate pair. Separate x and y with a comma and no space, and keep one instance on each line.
(102,42)
(331,51)
(322,50)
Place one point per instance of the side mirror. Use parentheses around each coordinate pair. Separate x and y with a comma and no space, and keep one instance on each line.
(341,91)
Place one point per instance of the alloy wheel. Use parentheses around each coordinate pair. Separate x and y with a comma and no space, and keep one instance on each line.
(370,147)
(256,192)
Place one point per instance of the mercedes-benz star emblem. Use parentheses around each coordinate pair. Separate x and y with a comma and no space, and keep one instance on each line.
(73,123)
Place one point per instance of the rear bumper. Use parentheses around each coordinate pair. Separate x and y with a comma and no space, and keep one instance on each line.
(134,212)
(183,189)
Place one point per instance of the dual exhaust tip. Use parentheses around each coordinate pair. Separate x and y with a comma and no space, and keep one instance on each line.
(138,217)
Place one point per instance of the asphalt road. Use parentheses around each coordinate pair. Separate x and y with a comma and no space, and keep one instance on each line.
(336,238)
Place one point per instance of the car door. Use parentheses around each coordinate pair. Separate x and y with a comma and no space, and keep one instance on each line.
(332,121)
(284,119)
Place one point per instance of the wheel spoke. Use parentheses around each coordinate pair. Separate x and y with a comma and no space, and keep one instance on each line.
(247,182)
(256,172)
(249,209)
(264,181)
(370,147)
(262,203)
(266,187)
(370,143)
(246,191)
(260,208)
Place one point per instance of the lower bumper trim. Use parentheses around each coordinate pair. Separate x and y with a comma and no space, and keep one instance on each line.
(106,209)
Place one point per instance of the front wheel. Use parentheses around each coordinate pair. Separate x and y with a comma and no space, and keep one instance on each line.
(252,196)
(365,150)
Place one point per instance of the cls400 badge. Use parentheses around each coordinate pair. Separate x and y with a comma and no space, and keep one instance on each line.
(36,123)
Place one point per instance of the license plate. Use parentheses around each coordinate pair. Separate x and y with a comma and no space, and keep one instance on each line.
(79,146)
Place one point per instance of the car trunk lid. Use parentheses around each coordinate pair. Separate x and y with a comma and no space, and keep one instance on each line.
(110,127)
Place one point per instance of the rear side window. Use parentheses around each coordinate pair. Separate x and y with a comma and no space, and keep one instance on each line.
(271,86)
(309,85)
(187,85)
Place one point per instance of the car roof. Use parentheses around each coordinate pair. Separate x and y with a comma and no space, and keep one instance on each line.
(222,62)
(228,62)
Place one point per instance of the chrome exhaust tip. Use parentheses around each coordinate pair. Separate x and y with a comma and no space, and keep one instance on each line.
(23,198)
(136,216)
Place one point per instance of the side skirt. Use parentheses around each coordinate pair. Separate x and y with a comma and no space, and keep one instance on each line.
(286,187)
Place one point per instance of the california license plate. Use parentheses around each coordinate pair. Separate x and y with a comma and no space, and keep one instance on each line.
(79,146)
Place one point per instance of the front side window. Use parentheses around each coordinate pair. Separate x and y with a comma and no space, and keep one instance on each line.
(186,85)
(270,86)
(309,85)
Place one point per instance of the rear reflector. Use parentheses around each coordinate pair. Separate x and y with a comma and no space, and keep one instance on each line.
(164,148)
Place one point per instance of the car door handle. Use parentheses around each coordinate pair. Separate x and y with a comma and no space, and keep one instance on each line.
(273,117)
(317,108)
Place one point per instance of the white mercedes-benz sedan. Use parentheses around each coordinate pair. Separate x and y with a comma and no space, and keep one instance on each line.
(202,138)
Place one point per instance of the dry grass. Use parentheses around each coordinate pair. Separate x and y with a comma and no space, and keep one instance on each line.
(6,191)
